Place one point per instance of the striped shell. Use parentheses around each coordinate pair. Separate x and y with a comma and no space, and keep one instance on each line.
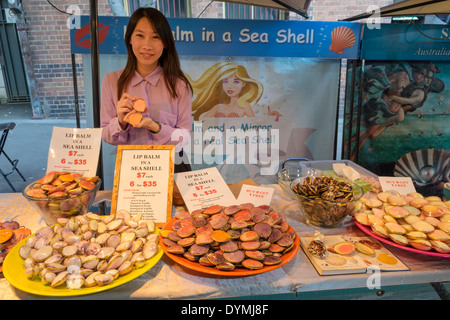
(341,39)
(424,166)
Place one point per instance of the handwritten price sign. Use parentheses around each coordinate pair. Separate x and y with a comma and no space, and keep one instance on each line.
(74,150)
(255,194)
(203,188)
(403,185)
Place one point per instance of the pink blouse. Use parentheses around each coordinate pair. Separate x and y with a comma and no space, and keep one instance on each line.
(174,115)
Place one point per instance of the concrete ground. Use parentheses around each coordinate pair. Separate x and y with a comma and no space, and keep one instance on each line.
(28,142)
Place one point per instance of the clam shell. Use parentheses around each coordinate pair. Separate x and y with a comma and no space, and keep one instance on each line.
(114,273)
(91,262)
(43,253)
(29,263)
(24,251)
(149,250)
(92,248)
(48,277)
(106,252)
(56,267)
(113,241)
(59,279)
(75,281)
(123,214)
(103,279)
(115,262)
(56,258)
(115,224)
(30,241)
(90,280)
(69,251)
(129,235)
(101,239)
(125,268)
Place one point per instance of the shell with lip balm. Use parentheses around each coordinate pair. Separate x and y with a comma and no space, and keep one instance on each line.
(89,250)
(410,220)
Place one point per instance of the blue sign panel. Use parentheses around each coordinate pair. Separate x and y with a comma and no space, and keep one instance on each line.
(218,37)
(406,42)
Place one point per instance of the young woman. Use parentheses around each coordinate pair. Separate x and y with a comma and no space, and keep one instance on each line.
(152,73)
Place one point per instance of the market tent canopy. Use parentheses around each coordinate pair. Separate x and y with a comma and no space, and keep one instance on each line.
(298,6)
(408,8)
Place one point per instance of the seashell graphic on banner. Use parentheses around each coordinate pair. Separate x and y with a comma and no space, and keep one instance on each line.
(426,167)
(341,39)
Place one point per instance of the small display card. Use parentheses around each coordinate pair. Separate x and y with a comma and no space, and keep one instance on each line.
(204,188)
(75,150)
(255,194)
(143,181)
(403,185)
(355,262)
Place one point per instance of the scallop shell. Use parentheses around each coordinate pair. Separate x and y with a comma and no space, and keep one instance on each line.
(427,168)
(341,39)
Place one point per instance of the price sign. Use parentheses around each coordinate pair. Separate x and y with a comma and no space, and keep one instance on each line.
(204,188)
(74,150)
(143,181)
(403,185)
(255,194)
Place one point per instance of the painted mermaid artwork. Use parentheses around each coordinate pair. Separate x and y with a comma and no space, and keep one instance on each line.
(225,90)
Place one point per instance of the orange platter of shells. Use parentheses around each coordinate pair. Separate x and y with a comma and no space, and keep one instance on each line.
(411,222)
(237,240)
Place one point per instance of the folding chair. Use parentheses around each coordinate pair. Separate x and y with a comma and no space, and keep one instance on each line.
(5,128)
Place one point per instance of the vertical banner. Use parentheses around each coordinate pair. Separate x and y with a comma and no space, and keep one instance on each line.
(405,122)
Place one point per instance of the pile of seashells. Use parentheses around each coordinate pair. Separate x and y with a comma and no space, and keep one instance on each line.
(325,201)
(89,250)
(409,220)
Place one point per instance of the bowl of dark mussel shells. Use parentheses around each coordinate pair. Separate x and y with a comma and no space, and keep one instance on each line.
(325,201)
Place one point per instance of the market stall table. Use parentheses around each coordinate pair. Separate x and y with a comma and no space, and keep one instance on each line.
(169,280)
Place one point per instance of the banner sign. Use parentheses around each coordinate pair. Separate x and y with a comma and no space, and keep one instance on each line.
(213,37)
(406,42)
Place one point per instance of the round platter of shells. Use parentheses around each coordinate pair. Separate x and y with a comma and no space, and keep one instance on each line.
(410,222)
(237,240)
(84,254)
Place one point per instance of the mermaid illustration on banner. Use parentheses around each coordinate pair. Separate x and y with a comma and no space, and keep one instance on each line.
(225,90)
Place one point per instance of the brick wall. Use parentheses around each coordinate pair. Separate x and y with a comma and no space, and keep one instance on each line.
(333,10)
(49,43)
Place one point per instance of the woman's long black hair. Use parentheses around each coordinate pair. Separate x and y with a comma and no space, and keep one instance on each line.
(169,59)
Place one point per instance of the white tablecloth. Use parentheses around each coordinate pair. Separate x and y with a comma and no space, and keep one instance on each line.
(169,280)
